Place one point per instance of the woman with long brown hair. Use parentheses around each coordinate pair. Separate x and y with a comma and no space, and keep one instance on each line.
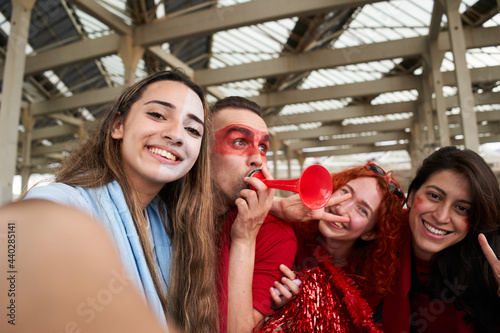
(145,176)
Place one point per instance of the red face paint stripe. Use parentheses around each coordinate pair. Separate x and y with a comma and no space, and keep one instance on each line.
(241,140)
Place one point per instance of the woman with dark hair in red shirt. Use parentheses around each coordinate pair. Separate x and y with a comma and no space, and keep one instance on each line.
(449,279)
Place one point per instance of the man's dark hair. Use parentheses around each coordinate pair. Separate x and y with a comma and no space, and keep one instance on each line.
(237,103)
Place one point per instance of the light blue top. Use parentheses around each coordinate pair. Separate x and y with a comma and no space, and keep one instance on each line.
(107,205)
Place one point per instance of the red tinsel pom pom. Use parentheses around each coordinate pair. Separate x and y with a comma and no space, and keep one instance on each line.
(329,301)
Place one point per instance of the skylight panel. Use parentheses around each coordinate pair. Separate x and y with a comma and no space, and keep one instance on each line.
(366,19)
(296,109)
(347,39)
(364,120)
(113,64)
(307,126)
(317,79)
(487,108)
(240,46)
(253,38)
(465,3)
(407,32)
(488,56)
(410,15)
(226,3)
(247,88)
(280,30)
(285,128)
(421,10)
(237,91)
(331,104)
(475,60)
(375,35)
(217,61)
(264,41)
(388,21)
(381,12)
(449,91)
(366,36)
(93,28)
(390,34)
(448,63)
(493,22)
(346,76)
(396,96)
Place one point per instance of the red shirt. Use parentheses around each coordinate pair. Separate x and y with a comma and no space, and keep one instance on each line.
(276,244)
(432,317)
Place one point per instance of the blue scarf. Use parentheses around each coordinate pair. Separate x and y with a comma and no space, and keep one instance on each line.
(110,208)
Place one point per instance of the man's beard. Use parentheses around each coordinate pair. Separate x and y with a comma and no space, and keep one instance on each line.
(225,201)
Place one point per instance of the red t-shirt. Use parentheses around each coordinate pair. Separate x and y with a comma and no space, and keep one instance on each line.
(436,316)
(275,244)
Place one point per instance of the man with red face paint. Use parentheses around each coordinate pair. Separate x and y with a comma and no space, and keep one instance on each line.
(252,243)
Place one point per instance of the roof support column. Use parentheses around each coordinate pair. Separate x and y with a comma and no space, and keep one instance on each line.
(289,162)
(436,78)
(28,123)
(417,147)
(424,110)
(464,83)
(275,144)
(301,158)
(434,58)
(130,54)
(12,93)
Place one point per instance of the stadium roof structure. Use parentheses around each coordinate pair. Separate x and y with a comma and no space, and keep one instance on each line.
(340,81)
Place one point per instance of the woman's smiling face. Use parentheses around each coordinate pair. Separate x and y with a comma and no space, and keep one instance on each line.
(161,136)
(439,213)
(361,208)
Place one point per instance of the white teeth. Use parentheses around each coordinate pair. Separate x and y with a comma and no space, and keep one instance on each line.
(338,224)
(434,230)
(163,153)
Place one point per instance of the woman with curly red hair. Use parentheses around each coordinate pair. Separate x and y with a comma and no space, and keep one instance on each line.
(335,259)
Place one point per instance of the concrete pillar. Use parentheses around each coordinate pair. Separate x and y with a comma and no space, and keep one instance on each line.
(130,54)
(275,145)
(417,149)
(28,123)
(424,110)
(436,78)
(289,162)
(11,94)
(464,83)
(301,159)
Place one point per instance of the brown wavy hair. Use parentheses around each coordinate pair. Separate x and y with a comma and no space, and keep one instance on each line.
(377,261)
(190,298)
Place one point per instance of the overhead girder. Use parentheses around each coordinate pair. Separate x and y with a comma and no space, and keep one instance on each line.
(90,49)
(144,35)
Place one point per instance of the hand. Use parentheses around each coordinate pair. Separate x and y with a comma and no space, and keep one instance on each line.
(253,207)
(292,209)
(491,257)
(288,288)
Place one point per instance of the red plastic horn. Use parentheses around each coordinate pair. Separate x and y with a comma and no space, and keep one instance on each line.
(314,185)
